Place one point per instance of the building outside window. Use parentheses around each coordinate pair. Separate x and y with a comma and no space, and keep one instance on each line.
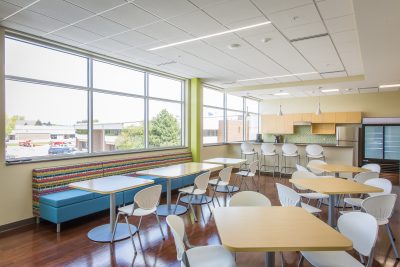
(213,116)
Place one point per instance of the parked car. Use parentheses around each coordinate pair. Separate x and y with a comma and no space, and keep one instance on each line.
(60,150)
(27,143)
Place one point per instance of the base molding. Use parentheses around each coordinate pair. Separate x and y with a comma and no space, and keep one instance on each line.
(17,224)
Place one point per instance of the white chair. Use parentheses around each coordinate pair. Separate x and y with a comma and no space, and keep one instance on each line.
(362,177)
(314,152)
(308,195)
(314,170)
(249,173)
(199,256)
(269,151)
(381,207)
(145,203)
(301,168)
(372,167)
(222,180)
(289,151)
(249,198)
(247,149)
(361,229)
(382,183)
(198,189)
(290,198)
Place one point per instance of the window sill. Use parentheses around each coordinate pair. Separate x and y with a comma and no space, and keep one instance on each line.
(93,155)
(215,144)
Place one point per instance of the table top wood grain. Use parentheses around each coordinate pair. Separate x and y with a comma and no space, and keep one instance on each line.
(225,161)
(337,168)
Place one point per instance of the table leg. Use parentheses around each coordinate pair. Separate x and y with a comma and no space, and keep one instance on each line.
(270,259)
(168,209)
(169,188)
(331,211)
(112,212)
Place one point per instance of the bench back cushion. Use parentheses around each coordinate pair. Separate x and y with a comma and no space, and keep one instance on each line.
(56,179)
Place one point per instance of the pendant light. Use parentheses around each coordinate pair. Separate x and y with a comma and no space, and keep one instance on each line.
(319,112)
(280,111)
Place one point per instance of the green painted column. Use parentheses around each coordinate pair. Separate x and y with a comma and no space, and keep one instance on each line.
(195,94)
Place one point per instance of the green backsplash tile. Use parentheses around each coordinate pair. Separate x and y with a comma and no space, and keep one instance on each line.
(302,134)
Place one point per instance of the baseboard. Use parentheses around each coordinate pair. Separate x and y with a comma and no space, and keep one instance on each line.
(18,224)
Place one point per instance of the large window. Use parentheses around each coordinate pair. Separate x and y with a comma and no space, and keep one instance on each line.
(228,118)
(61,103)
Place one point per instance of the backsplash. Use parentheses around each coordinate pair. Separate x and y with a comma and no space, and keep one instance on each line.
(302,134)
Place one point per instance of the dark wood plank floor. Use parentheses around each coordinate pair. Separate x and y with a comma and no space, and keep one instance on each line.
(40,245)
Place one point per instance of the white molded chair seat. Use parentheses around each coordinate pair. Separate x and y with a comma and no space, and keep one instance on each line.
(301,168)
(245,173)
(250,173)
(315,151)
(290,198)
(247,149)
(372,167)
(223,179)
(310,208)
(192,190)
(353,201)
(307,175)
(215,182)
(210,256)
(313,195)
(268,149)
(331,259)
(136,212)
(315,161)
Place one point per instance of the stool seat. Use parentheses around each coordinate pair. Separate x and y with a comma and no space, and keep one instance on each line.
(269,150)
(289,151)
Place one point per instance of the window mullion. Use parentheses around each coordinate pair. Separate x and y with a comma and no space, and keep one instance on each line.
(90,106)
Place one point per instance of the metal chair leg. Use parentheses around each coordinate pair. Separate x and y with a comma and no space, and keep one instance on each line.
(159,225)
(300,261)
(130,232)
(115,227)
(390,234)
(177,201)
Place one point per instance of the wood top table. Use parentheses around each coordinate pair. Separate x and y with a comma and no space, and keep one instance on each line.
(337,168)
(271,229)
(173,172)
(111,185)
(226,162)
(332,187)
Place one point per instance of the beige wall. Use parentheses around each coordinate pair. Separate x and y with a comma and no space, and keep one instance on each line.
(372,105)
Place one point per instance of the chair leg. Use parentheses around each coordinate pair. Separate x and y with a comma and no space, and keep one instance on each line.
(177,201)
(390,233)
(140,222)
(300,261)
(208,205)
(115,227)
(159,225)
(282,259)
(130,232)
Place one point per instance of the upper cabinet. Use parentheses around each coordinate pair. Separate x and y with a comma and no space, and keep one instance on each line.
(277,124)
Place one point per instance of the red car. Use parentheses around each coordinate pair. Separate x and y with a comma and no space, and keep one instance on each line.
(27,143)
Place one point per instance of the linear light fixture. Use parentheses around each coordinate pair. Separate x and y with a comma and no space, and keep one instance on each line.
(389,85)
(329,90)
(210,35)
(279,76)
(281,93)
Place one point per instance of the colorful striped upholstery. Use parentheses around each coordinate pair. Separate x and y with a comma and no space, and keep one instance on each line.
(56,179)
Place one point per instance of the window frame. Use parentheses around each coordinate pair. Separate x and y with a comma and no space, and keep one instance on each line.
(90,57)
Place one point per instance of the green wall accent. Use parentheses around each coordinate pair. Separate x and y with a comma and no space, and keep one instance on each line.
(195,93)
(302,134)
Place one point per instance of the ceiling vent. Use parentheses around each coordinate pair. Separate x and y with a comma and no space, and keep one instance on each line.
(309,37)
(167,63)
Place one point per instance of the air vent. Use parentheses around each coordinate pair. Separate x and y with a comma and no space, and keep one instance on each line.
(167,63)
(309,37)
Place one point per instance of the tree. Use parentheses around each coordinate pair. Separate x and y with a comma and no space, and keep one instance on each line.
(131,137)
(164,130)
(38,123)
(10,123)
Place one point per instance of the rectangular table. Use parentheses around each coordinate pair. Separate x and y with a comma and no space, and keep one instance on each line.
(111,185)
(332,187)
(337,168)
(274,229)
(226,162)
(173,172)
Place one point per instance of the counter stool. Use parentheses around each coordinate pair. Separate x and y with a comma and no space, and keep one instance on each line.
(247,149)
(289,151)
(269,150)
(315,152)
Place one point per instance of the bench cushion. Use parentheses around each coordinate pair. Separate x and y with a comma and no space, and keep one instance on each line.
(65,198)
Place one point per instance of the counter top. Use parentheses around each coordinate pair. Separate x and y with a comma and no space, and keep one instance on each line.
(298,144)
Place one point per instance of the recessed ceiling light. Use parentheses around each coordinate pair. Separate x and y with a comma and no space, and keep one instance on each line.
(281,93)
(211,35)
(389,85)
(266,40)
(329,90)
(234,46)
(279,76)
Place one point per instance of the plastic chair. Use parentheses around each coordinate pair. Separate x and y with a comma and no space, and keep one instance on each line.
(301,168)
(289,151)
(269,150)
(145,203)
(314,170)
(249,198)
(222,180)
(314,152)
(249,173)
(361,229)
(381,207)
(308,195)
(372,167)
(215,255)
(247,149)
(290,198)
(198,189)
(362,177)
(382,183)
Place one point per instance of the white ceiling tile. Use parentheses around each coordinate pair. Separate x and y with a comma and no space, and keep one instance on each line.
(166,9)
(340,24)
(295,17)
(335,8)
(36,21)
(60,10)
(164,32)
(321,53)
(101,26)
(7,9)
(97,6)
(109,45)
(304,30)
(133,38)
(20,3)
(233,11)
(272,6)
(78,34)
(205,3)
(130,16)
(197,23)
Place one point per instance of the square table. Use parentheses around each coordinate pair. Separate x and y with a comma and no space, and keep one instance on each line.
(332,187)
(226,162)
(111,185)
(337,168)
(273,229)
(173,172)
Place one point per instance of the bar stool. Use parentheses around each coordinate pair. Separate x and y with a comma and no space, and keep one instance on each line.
(247,149)
(314,152)
(289,151)
(269,150)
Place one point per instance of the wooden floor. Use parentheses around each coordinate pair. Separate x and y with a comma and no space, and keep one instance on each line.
(40,245)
